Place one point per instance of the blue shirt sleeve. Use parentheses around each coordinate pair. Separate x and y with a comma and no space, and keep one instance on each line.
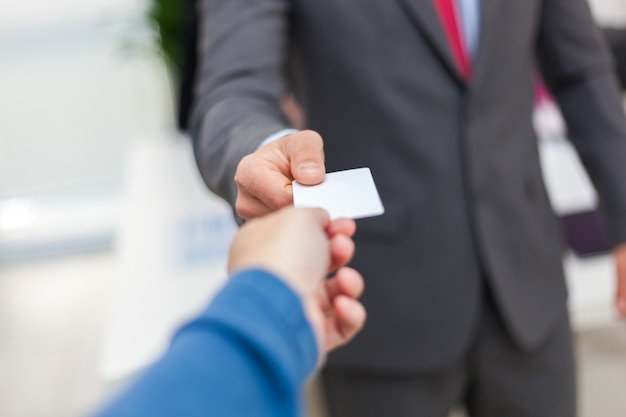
(248,354)
(275,136)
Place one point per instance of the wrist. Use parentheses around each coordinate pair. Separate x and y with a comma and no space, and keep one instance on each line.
(315,317)
(278,135)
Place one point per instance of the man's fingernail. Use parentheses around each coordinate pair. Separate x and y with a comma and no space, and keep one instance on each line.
(310,168)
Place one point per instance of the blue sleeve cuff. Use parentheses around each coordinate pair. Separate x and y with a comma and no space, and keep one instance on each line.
(275,136)
(267,313)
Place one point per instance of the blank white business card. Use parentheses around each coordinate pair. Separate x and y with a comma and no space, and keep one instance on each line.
(350,193)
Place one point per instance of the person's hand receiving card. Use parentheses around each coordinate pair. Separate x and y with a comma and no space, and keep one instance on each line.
(350,194)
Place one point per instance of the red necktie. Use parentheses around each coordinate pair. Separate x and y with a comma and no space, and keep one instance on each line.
(446,9)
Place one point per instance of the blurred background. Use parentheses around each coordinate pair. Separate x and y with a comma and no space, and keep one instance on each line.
(108,237)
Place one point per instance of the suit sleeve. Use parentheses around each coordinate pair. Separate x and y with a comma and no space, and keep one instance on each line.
(241,79)
(578,68)
(248,354)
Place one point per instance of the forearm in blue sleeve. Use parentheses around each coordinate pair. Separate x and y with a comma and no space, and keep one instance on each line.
(248,354)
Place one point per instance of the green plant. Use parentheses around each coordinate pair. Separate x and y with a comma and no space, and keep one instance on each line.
(169,16)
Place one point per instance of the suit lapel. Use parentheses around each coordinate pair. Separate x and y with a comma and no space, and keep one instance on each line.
(425,16)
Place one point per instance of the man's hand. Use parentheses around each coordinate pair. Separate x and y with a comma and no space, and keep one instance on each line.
(302,246)
(264,177)
(620,260)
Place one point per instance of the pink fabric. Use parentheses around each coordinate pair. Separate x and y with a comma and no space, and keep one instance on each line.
(446,9)
(542,95)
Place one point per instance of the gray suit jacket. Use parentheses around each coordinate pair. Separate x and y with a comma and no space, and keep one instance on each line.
(456,163)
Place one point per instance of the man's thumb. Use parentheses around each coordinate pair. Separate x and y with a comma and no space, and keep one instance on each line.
(306,154)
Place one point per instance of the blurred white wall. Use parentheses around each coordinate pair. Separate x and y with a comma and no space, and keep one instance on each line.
(80,81)
(90,159)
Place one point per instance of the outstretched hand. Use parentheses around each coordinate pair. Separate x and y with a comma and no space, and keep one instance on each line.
(302,246)
(264,177)
(335,310)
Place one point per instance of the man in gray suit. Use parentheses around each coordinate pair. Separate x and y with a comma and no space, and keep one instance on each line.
(466,294)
